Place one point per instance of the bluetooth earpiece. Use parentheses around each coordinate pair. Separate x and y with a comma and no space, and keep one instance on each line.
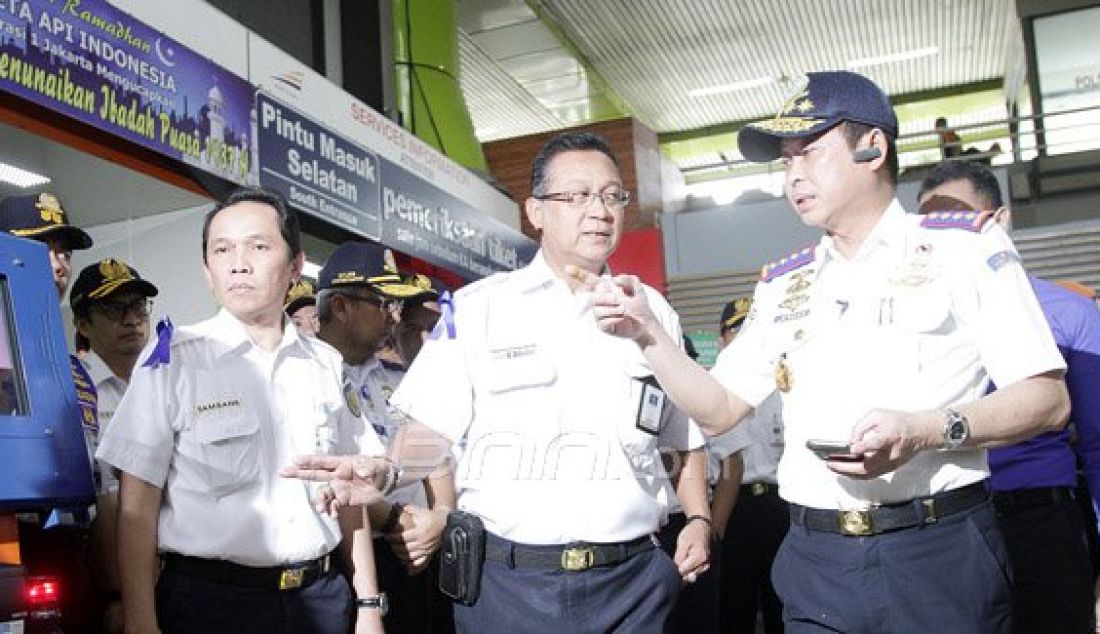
(866,155)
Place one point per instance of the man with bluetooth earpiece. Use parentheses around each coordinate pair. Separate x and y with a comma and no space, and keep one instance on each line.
(881,340)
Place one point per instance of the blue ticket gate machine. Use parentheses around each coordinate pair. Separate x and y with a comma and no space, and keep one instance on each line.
(44,464)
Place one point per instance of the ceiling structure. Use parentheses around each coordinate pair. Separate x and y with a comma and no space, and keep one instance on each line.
(695,70)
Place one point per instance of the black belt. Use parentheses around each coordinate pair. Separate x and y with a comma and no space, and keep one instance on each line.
(571,557)
(891,517)
(759,488)
(289,577)
(1008,502)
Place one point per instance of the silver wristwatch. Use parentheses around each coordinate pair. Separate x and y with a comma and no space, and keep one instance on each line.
(375,602)
(956,430)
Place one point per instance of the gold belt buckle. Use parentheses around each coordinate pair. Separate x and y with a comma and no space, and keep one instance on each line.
(855,523)
(578,559)
(759,488)
(291,578)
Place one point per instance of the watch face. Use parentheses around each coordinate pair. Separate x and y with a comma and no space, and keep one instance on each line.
(957,431)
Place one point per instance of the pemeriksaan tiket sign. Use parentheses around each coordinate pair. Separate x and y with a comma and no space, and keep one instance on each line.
(94,63)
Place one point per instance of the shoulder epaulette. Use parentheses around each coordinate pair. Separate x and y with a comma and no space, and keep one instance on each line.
(785,265)
(969,220)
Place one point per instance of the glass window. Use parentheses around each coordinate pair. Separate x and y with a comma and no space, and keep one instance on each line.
(1068,53)
(13,386)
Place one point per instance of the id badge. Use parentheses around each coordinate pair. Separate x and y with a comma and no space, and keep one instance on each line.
(651,406)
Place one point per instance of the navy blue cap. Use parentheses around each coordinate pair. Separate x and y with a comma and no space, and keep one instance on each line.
(39,217)
(105,278)
(366,264)
(734,313)
(829,98)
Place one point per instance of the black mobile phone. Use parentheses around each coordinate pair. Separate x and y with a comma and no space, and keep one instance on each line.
(833,450)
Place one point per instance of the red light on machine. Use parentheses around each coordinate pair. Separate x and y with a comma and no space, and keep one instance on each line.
(42,592)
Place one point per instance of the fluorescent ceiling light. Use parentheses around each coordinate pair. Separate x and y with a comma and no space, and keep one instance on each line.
(20,177)
(894,57)
(734,87)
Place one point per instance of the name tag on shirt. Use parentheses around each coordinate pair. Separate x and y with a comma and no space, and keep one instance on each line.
(651,406)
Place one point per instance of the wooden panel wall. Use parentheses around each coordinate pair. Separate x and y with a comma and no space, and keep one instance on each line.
(639,161)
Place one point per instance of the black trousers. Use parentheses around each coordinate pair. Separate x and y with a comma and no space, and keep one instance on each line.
(1052,589)
(188,605)
(696,609)
(416,604)
(755,531)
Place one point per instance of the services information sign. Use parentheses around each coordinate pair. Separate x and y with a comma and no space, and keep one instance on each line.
(94,63)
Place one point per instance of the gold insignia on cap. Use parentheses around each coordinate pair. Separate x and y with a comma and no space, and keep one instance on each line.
(422,282)
(114,271)
(804,105)
(742,305)
(348,277)
(49,209)
(299,290)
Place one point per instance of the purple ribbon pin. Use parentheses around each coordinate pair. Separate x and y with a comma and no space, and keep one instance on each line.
(446,319)
(162,352)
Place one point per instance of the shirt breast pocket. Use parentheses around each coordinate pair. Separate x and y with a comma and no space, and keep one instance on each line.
(229,449)
(503,375)
(924,320)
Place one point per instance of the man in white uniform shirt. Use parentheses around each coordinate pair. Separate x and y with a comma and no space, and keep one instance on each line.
(111,305)
(211,413)
(883,337)
(562,428)
(359,292)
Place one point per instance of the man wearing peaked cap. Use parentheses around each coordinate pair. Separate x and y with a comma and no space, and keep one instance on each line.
(41,217)
(732,318)
(419,315)
(360,289)
(111,305)
(301,306)
(882,340)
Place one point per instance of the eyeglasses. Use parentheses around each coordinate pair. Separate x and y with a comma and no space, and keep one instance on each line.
(117,311)
(614,199)
(381,303)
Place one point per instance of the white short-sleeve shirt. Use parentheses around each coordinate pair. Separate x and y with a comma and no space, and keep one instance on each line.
(759,439)
(109,390)
(920,318)
(213,426)
(545,405)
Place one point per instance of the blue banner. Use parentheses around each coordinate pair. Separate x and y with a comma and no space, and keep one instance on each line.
(318,171)
(92,62)
(426,222)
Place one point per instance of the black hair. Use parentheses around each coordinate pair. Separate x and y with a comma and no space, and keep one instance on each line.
(287,218)
(980,177)
(854,131)
(566,142)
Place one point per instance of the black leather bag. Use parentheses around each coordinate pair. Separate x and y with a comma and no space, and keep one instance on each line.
(461,557)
